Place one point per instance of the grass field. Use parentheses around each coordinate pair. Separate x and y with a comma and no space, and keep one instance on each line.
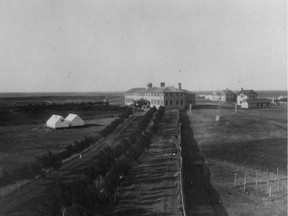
(249,141)
(23,135)
(21,144)
(21,203)
(255,138)
(11,99)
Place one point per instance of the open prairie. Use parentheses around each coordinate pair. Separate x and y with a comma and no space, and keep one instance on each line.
(23,134)
(8,99)
(255,137)
(251,143)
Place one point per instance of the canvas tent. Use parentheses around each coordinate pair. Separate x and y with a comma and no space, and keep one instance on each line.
(74,120)
(57,121)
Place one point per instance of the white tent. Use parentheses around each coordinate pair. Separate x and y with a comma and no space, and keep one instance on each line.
(57,121)
(74,120)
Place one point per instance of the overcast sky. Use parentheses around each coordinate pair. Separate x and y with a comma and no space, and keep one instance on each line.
(112,45)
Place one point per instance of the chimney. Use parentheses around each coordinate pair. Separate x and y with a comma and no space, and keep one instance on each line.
(149,85)
(241,89)
(179,86)
(162,84)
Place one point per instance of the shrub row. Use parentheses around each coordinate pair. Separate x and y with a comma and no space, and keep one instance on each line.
(27,108)
(53,160)
(94,194)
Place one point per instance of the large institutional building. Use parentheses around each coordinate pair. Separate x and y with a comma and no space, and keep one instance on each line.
(169,97)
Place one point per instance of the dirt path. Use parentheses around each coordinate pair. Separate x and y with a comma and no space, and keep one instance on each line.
(27,200)
(153,190)
(201,198)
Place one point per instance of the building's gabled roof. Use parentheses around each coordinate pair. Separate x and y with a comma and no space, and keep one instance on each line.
(168,89)
(172,89)
(247,92)
(157,90)
(223,92)
(257,100)
(227,90)
(188,92)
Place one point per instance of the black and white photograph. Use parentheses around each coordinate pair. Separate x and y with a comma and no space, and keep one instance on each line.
(143,108)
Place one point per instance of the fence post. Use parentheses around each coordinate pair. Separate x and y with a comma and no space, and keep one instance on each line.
(256,183)
(278,179)
(245,181)
(268,181)
(235,178)
(269,192)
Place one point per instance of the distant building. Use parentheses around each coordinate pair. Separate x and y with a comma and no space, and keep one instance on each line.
(207,97)
(169,97)
(255,103)
(74,120)
(224,95)
(245,94)
(282,98)
(57,121)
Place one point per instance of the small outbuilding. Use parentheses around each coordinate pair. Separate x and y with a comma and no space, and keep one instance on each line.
(57,121)
(74,120)
(255,103)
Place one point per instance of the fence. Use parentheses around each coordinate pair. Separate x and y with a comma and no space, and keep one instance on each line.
(265,183)
(11,188)
(181,168)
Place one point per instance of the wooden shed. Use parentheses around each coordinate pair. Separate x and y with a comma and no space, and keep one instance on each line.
(255,103)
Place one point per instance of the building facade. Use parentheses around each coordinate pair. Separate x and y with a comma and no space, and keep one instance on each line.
(224,95)
(245,94)
(169,97)
(255,103)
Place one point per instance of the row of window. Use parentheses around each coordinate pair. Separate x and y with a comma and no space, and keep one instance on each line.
(250,96)
(174,94)
(129,100)
(177,94)
(157,102)
(267,104)
(177,102)
(144,94)
(161,102)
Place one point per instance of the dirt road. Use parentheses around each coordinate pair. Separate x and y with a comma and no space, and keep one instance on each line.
(153,190)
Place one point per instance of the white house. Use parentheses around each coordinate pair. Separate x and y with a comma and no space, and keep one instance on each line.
(245,94)
(57,121)
(255,103)
(74,120)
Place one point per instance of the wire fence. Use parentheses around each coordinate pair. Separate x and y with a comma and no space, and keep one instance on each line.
(12,188)
(269,183)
